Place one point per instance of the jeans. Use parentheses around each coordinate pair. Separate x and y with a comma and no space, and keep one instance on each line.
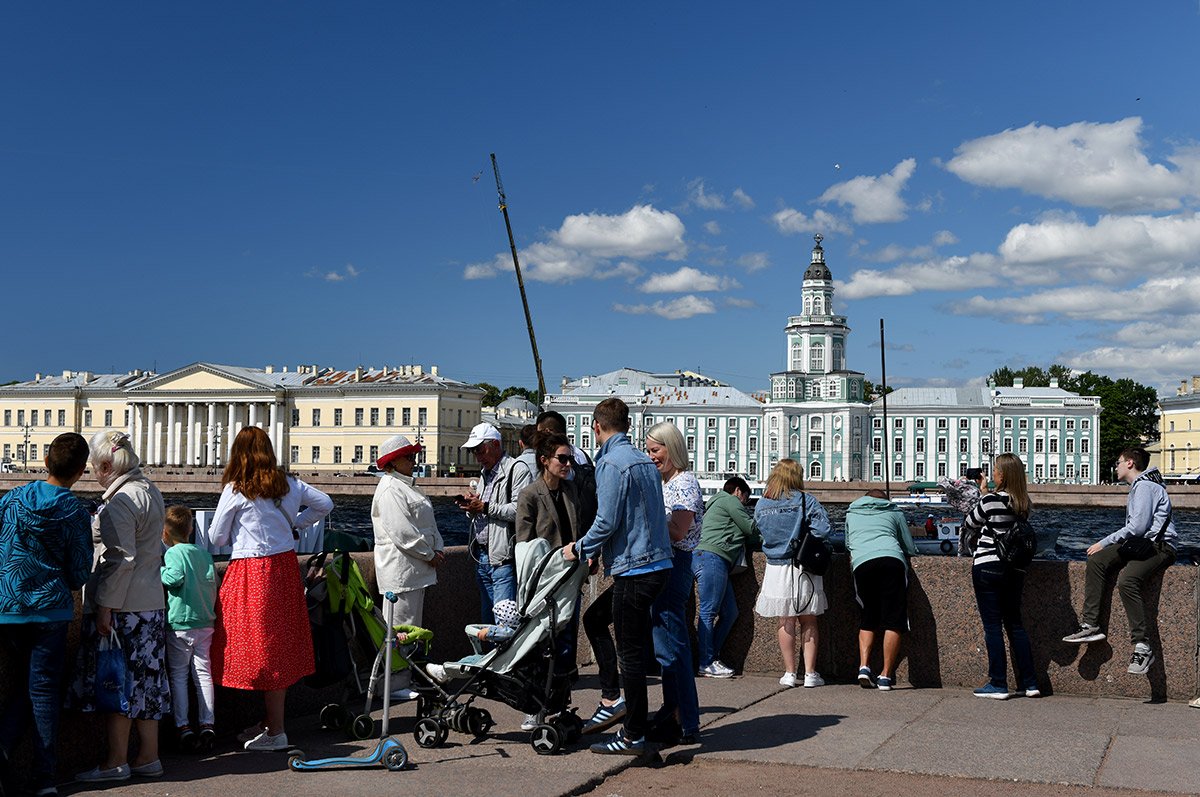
(504,583)
(718,607)
(998,593)
(673,645)
(188,654)
(483,574)
(632,599)
(1101,567)
(40,653)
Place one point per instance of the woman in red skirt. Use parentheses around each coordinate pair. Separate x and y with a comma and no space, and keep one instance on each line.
(262,640)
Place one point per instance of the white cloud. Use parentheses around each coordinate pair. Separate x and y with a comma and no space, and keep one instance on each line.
(687,279)
(585,245)
(639,233)
(944,238)
(742,198)
(734,301)
(698,196)
(894,252)
(1108,247)
(1085,163)
(349,272)
(790,221)
(1154,298)
(874,199)
(946,274)
(712,228)
(676,309)
(754,261)
(1159,365)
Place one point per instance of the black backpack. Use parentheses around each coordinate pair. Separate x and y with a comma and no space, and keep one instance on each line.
(1017,547)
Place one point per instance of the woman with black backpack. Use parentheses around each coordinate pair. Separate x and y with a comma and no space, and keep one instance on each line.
(998,584)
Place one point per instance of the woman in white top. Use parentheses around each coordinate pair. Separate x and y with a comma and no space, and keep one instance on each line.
(408,546)
(262,639)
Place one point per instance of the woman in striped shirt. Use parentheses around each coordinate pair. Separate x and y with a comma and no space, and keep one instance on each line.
(997,585)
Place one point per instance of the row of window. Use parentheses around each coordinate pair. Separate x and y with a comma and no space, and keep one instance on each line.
(361,417)
(985,445)
(1039,471)
(689,422)
(47,418)
(372,452)
(985,423)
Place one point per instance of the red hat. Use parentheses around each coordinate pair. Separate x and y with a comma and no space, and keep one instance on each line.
(395,447)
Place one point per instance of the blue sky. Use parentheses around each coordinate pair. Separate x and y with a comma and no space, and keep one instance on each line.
(281,183)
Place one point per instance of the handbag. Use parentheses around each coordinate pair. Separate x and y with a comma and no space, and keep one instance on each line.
(812,553)
(110,676)
(1141,548)
(1017,547)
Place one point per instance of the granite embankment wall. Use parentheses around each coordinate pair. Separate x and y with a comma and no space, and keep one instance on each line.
(179,481)
(945,647)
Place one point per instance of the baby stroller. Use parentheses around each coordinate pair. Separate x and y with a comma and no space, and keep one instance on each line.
(521,672)
(348,637)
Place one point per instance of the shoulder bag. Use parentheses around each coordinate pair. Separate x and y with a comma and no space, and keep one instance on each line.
(812,553)
(1141,548)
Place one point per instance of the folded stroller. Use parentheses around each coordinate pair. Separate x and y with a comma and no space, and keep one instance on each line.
(522,672)
(342,609)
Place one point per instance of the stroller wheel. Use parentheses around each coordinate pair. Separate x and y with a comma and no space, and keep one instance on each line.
(545,740)
(571,725)
(362,727)
(478,722)
(430,732)
(332,716)
(396,759)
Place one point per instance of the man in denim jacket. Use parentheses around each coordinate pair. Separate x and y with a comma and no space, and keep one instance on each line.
(630,534)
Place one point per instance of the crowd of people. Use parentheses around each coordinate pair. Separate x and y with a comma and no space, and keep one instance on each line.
(154,616)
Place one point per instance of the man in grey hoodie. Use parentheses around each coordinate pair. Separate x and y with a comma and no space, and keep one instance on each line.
(1147,514)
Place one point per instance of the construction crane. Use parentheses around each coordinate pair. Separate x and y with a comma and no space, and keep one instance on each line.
(512,244)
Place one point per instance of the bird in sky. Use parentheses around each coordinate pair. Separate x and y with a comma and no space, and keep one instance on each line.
(478,174)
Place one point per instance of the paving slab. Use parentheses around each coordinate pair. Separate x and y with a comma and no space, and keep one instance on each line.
(1145,762)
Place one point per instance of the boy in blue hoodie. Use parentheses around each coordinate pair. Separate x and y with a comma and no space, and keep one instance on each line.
(45,554)
(190,577)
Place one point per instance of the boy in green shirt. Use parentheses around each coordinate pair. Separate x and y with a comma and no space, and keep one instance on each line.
(190,577)
(724,533)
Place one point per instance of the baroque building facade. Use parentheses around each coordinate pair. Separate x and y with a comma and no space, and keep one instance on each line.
(1179,432)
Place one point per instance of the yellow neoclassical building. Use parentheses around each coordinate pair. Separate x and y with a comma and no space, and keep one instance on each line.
(1179,432)
(319,419)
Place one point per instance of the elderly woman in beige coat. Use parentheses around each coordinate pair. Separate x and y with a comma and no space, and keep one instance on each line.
(408,545)
(124,599)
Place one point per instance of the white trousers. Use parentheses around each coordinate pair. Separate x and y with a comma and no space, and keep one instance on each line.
(409,608)
(188,654)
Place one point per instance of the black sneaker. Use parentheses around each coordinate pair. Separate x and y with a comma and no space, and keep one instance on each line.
(1086,633)
(665,733)
(605,717)
(619,745)
(1142,658)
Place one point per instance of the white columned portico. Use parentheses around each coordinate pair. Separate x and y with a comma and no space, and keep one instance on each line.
(229,430)
(276,440)
(190,456)
(151,457)
(132,425)
(172,442)
(253,413)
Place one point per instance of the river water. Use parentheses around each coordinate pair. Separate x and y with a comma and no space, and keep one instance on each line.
(1078,527)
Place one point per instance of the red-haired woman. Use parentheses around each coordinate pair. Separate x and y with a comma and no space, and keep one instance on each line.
(262,640)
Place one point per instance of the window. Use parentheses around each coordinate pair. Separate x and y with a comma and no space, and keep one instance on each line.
(21,452)
(962,469)
(814,470)
(731,466)
(1070,445)
(1023,423)
(1053,471)
(374,453)
(1070,470)
(732,423)
(919,471)
(21,418)
(294,455)
(712,423)
(295,419)
(774,446)
(1054,423)
(1023,446)
(1008,445)
(1039,423)
(358,453)
(943,423)
(753,469)
(941,469)
(985,446)
(87,418)
(1008,423)
(897,470)
(877,444)
(405,417)
(732,443)
(691,423)
(126,417)
(337,455)
(919,445)
(814,443)
(62,417)
(752,445)
(8,417)
(1070,424)
(712,466)
(712,443)
(898,423)
(941,446)
(33,417)
(422,417)
(571,439)
(1087,424)
(1053,445)
(389,417)
(920,423)
(459,418)
(877,470)
(754,423)
(108,417)
(358,416)
(816,357)
(33,453)
(316,454)
(691,443)
(1039,473)
(316,421)
(897,445)
(964,423)
(337,417)
(375,416)
(985,423)
(962,445)
(1084,446)
(1039,446)
(587,440)
(8,451)
(1085,472)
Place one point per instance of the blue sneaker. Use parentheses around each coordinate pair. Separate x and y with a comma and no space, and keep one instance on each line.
(865,679)
(993,691)
(619,745)
(884,684)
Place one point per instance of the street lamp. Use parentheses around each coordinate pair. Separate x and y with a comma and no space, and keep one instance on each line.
(25,449)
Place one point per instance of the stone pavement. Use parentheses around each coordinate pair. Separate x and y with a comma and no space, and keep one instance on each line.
(930,741)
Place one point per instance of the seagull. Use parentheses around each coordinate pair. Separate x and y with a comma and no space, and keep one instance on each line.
(837,166)
(478,174)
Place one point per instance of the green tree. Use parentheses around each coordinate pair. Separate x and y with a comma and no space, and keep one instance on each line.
(1128,410)
(491,394)
(871,390)
(527,393)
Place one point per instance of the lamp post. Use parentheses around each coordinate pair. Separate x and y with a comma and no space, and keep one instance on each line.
(25,449)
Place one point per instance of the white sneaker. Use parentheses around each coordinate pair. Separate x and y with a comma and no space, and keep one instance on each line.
(265,741)
(1195,703)
(529,723)
(437,672)
(716,670)
(788,680)
(812,679)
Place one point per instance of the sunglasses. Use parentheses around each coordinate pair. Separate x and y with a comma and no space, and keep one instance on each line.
(565,459)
